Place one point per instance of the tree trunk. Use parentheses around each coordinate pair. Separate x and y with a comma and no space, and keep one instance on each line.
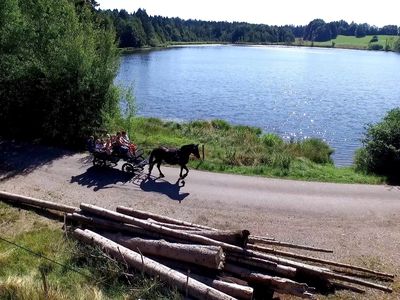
(107,225)
(235,290)
(319,260)
(207,256)
(147,215)
(288,245)
(139,262)
(192,237)
(233,237)
(278,284)
(264,265)
(36,202)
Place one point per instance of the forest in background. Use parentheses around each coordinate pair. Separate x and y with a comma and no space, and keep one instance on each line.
(138,29)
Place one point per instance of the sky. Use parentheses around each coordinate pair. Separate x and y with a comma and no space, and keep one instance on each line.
(271,12)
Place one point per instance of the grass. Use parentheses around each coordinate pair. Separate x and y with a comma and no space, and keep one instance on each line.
(245,150)
(20,275)
(352,42)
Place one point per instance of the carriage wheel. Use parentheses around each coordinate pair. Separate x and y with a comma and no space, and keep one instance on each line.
(128,168)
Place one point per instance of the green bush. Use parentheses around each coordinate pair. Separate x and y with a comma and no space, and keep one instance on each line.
(272,140)
(374,39)
(220,124)
(381,146)
(317,151)
(58,60)
(375,47)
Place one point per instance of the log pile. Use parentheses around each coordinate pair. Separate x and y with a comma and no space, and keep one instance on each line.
(207,263)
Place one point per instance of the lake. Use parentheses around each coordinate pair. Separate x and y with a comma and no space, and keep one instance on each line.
(295,92)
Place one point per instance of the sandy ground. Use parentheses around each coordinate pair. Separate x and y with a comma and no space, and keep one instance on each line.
(361,223)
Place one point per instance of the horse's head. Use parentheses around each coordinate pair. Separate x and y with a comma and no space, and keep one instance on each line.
(191,149)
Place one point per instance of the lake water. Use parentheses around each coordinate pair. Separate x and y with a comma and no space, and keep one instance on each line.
(295,92)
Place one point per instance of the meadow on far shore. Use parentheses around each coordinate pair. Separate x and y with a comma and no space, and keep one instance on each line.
(340,42)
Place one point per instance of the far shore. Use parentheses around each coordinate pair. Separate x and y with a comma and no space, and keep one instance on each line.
(216,43)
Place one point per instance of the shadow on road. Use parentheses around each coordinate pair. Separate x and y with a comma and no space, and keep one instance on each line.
(101,178)
(18,158)
(164,187)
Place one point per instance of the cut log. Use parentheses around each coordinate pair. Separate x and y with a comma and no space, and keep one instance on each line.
(259,239)
(147,215)
(13,198)
(174,226)
(233,289)
(264,265)
(343,286)
(318,260)
(184,283)
(157,228)
(101,224)
(331,275)
(233,237)
(278,284)
(319,271)
(207,256)
(288,245)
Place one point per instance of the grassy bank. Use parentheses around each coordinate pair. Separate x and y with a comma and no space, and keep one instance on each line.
(98,278)
(245,150)
(352,42)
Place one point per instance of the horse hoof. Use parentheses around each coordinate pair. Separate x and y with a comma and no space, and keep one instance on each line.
(162,176)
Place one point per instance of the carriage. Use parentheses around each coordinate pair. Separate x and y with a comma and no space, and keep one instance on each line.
(133,164)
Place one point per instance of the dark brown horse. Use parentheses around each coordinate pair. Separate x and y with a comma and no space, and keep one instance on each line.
(173,156)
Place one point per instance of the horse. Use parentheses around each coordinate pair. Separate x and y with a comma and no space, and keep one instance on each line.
(173,156)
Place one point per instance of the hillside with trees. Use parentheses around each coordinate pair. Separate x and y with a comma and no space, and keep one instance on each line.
(138,29)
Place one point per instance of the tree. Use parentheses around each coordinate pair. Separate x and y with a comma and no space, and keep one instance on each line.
(361,31)
(381,146)
(58,61)
(317,30)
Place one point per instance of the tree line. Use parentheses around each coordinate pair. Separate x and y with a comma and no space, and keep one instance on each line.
(319,31)
(138,29)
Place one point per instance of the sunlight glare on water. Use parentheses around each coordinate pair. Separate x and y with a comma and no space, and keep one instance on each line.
(295,92)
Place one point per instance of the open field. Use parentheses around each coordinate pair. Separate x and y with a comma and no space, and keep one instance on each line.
(352,42)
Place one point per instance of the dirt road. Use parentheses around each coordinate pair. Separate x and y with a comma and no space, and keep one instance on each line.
(361,223)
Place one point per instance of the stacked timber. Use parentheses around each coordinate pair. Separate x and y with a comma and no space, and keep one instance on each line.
(208,263)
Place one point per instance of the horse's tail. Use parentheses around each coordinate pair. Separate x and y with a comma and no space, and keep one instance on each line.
(151,157)
(151,161)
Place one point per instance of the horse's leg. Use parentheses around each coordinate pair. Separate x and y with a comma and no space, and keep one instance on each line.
(151,163)
(158,167)
(180,174)
(187,171)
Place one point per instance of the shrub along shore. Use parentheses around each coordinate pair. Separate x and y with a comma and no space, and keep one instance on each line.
(244,150)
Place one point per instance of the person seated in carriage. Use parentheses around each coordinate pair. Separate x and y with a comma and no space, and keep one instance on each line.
(120,146)
(90,144)
(126,141)
(99,146)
